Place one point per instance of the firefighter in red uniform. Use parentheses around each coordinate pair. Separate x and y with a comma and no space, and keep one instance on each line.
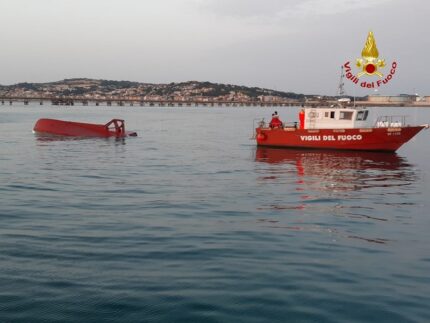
(275,122)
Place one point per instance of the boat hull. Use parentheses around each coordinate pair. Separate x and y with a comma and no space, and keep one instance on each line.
(366,139)
(80,129)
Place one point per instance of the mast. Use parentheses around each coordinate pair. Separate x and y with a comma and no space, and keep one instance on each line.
(341,88)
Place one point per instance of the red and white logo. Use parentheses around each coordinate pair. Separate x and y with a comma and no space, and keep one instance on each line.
(370,65)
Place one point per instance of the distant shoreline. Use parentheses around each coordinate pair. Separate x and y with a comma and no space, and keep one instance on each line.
(84,91)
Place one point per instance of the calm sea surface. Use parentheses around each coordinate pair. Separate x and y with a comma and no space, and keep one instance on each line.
(190,222)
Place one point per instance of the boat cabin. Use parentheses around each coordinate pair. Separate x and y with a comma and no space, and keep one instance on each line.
(335,118)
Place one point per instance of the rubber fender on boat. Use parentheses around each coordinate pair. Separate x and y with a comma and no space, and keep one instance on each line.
(261,136)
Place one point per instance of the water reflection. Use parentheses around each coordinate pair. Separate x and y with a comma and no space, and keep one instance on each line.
(42,138)
(337,170)
(334,192)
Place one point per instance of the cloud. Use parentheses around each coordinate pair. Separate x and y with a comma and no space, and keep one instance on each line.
(244,8)
(329,7)
(278,10)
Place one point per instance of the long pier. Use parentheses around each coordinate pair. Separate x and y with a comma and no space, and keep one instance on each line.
(125,101)
(121,101)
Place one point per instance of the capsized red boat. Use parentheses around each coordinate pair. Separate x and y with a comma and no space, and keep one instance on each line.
(114,128)
(337,127)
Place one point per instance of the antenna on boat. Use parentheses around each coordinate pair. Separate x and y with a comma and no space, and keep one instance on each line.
(342,99)
(354,95)
(341,87)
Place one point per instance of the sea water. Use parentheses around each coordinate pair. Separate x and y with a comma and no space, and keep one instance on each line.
(191,222)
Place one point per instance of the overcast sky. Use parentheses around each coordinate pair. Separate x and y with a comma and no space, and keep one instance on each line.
(288,45)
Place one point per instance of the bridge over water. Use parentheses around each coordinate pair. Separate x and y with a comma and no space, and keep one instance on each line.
(125,101)
(121,101)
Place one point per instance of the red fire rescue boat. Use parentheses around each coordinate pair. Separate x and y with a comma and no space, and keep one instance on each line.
(338,127)
(114,128)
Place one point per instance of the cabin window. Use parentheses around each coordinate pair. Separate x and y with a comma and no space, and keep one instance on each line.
(332,114)
(326,114)
(345,115)
(362,115)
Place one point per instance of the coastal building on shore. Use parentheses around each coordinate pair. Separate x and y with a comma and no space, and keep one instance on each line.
(402,98)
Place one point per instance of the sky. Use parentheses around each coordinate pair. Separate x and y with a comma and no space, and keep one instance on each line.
(287,45)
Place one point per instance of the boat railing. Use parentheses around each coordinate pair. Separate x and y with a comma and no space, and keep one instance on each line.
(390,121)
(257,123)
(261,123)
(289,124)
